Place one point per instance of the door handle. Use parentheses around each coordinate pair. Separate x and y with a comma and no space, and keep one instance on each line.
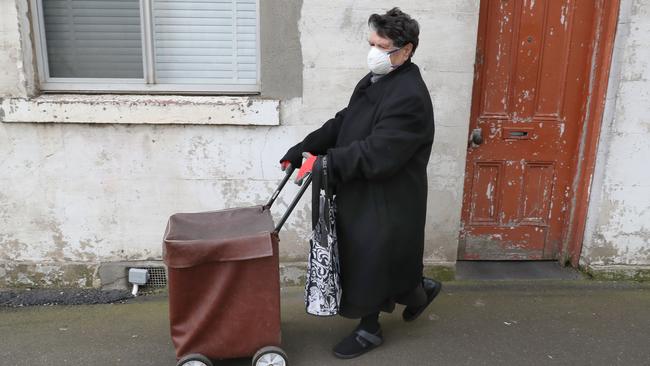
(477,136)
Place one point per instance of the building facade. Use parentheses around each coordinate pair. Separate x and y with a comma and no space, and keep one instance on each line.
(94,159)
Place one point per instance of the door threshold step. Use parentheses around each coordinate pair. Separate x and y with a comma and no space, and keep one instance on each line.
(515,270)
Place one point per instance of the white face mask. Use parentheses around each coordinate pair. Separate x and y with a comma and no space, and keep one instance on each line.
(379,61)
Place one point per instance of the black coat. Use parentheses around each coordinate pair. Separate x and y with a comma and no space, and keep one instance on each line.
(378,148)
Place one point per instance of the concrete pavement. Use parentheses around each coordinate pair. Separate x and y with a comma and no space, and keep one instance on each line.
(471,323)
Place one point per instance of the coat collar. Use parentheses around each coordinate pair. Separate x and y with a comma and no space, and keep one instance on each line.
(375,90)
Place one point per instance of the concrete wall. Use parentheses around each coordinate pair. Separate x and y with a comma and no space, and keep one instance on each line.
(617,237)
(76,195)
(12,73)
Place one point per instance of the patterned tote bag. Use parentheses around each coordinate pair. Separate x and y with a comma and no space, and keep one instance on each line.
(323,286)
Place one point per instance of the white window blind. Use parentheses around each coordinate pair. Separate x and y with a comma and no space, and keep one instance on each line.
(205,41)
(184,45)
(93,38)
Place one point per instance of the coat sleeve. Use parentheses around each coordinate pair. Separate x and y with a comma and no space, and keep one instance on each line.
(401,130)
(318,141)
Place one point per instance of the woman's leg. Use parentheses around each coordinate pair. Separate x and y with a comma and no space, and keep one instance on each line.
(366,336)
(370,323)
(415,297)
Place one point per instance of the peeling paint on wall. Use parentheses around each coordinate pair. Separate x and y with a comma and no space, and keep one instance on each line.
(145,109)
(618,224)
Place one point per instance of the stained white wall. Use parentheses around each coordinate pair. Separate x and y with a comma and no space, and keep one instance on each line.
(618,226)
(12,74)
(91,193)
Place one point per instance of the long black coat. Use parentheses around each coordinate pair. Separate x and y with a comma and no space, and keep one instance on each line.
(378,148)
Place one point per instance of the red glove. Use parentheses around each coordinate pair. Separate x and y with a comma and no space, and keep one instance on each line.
(306,167)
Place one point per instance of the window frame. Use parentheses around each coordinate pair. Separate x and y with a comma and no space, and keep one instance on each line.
(144,85)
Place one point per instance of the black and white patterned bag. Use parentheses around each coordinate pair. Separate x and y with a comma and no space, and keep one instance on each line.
(323,286)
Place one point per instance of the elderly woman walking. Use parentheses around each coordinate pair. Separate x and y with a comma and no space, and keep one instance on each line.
(377,149)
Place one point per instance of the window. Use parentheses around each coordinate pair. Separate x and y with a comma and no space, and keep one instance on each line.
(206,46)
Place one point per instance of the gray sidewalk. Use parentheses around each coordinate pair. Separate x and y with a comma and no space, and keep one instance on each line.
(471,323)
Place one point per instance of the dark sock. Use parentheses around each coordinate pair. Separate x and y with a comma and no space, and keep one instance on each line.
(416,297)
(370,323)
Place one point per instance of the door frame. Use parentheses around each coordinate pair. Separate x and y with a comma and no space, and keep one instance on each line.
(601,51)
(602,47)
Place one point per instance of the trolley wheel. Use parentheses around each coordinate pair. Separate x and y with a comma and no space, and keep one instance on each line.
(194,359)
(270,356)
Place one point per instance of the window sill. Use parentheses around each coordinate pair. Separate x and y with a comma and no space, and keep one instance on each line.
(141,109)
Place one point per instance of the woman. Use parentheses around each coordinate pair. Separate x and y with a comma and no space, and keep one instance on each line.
(377,150)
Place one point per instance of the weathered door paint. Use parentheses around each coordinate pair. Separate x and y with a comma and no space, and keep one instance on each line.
(530,87)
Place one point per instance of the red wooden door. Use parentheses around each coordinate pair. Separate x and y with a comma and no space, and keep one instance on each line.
(531,78)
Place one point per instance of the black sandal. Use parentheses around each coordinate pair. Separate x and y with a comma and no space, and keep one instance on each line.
(432,288)
(358,343)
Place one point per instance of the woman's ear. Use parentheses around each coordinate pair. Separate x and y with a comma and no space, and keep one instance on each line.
(409,49)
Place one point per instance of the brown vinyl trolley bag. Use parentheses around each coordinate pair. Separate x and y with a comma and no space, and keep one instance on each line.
(224,283)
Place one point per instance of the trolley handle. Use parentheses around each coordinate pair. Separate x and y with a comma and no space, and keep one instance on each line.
(303,188)
(275,194)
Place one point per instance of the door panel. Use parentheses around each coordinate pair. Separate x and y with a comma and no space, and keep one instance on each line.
(529,90)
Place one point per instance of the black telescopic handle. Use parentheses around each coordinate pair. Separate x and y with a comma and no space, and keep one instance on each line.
(303,188)
(275,194)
